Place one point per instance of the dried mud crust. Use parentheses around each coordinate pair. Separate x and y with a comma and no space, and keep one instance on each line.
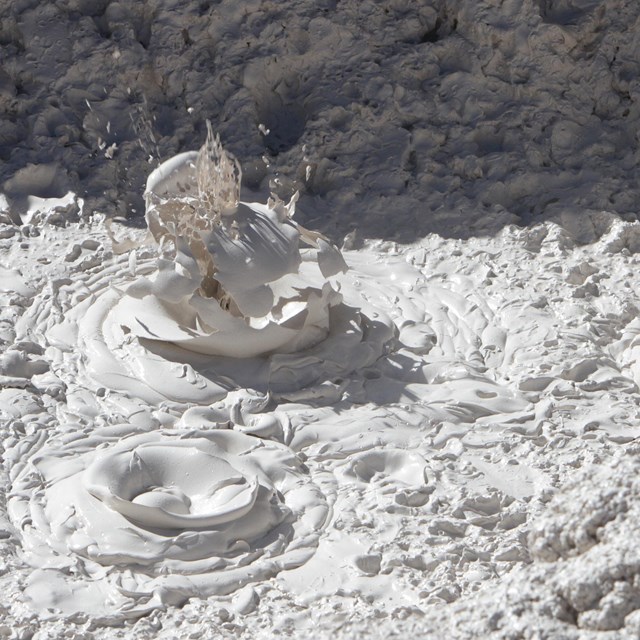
(589,533)
(584,580)
(459,117)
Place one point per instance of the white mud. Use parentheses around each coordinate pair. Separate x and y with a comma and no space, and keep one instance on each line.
(224,426)
(396,466)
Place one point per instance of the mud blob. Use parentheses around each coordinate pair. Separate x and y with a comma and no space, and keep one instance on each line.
(231,301)
(229,281)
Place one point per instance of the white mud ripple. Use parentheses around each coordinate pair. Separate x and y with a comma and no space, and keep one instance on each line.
(116,522)
(395,335)
(121,519)
(399,457)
